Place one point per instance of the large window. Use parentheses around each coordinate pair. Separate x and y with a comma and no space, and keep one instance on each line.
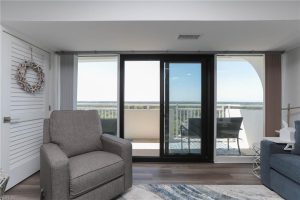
(240,103)
(142,110)
(97,89)
(180,128)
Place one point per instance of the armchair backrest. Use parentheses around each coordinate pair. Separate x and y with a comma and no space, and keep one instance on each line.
(75,132)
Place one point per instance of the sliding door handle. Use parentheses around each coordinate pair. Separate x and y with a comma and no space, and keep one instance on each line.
(11,121)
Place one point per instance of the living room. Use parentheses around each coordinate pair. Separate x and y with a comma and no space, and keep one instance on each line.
(149,99)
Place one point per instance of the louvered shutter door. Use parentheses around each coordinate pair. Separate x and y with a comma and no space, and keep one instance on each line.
(22,137)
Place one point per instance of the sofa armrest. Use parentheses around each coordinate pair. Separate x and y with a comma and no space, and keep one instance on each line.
(123,148)
(54,172)
(267,148)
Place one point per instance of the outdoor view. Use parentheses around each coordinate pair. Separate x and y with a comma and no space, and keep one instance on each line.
(142,110)
(183,88)
(97,89)
(239,103)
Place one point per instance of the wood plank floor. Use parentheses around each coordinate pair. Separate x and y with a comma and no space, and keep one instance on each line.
(185,173)
(162,173)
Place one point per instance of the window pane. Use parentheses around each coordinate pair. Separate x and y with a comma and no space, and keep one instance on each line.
(141,112)
(240,86)
(183,134)
(97,89)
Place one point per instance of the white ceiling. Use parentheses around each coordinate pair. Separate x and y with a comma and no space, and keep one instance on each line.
(162,36)
(38,11)
(142,25)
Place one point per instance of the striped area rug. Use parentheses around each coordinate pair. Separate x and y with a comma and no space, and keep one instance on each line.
(199,192)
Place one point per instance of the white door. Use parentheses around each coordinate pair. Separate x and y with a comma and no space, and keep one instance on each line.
(21,132)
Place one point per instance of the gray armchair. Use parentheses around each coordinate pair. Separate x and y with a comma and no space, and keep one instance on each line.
(79,162)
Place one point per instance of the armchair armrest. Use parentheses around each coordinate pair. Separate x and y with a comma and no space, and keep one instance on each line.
(123,148)
(54,172)
(267,148)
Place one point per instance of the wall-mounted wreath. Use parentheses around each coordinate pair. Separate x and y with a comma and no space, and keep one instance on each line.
(21,77)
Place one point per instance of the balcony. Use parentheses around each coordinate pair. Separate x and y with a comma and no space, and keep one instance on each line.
(145,136)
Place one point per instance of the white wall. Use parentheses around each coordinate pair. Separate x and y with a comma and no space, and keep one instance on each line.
(291,83)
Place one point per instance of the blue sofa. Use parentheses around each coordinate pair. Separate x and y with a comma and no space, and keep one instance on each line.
(280,170)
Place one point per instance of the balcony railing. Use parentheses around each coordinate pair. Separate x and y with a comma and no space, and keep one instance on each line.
(182,111)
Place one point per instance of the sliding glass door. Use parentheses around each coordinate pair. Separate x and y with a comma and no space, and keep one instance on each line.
(183,94)
(166,106)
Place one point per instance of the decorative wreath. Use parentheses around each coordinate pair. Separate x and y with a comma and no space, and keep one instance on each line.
(21,77)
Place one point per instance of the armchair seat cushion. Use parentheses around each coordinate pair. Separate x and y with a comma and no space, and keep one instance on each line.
(287,165)
(89,171)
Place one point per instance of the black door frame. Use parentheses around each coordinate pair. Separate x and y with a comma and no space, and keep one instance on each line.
(207,78)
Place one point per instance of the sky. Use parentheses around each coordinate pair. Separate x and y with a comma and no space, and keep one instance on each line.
(237,81)
(142,81)
(185,82)
(97,81)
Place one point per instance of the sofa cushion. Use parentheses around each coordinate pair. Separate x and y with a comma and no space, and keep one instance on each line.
(76,132)
(91,170)
(287,165)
